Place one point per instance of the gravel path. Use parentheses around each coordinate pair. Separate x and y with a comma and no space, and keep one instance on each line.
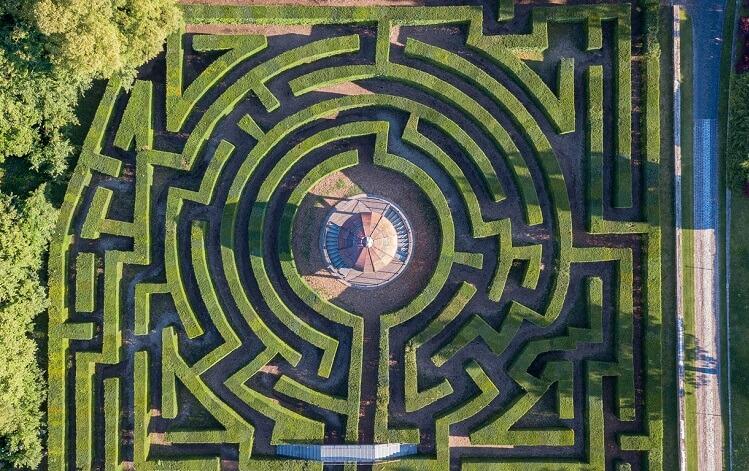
(707,52)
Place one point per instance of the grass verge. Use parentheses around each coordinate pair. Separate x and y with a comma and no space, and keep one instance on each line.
(735,302)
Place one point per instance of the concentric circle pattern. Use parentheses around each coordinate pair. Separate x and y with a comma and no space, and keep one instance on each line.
(532,340)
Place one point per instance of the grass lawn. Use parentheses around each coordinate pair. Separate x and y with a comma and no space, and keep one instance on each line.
(687,224)
(736,414)
(739,329)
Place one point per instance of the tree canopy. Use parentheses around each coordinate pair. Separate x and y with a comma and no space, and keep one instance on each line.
(50,52)
(36,102)
(25,228)
(101,38)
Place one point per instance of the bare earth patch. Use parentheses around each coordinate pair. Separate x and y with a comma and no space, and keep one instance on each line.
(346,88)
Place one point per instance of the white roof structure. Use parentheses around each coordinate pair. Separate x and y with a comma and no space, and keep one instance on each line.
(348,453)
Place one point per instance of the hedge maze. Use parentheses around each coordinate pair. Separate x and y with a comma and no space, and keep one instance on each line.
(182,335)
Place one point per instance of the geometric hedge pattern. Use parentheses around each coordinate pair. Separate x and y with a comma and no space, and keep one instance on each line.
(183,337)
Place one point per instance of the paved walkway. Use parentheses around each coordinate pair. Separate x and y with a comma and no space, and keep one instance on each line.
(707,21)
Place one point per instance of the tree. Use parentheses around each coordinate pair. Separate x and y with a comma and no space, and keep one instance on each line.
(51,50)
(36,103)
(26,228)
(102,38)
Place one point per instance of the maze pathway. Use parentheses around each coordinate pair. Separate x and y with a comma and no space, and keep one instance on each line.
(182,335)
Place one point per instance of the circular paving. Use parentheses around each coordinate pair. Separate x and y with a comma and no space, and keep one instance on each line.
(366,241)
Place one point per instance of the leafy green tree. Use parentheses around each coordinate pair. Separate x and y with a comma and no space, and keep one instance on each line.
(50,51)
(25,229)
(102,38)
(35,102)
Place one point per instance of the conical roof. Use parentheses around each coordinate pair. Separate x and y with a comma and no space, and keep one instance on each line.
(367,242)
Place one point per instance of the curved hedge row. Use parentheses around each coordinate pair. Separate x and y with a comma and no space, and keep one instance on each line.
(189,315)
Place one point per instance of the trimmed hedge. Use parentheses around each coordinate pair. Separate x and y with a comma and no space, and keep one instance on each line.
(175,201)
(59,327)
(382,432)
(180,102)
(500,430)
(509,253)
(136,124)
(414,398)
(112,406)
(473,260)
(210,298)
(85,282)
(509,52)
(235,428)
(309,296)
